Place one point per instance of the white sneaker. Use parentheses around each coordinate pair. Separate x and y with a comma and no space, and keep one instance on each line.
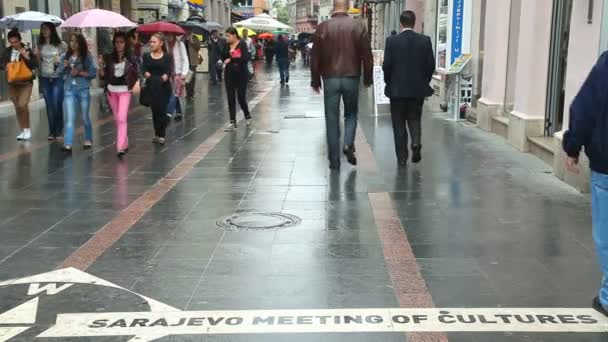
(170,115)
(20,136)
(231,127)
(27,134)
(249,122)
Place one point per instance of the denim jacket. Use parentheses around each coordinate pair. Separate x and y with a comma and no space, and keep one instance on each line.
(77,82)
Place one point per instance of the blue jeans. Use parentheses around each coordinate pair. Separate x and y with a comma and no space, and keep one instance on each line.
(334,90)
(77,99)
(284,69)
(174,105)
(599,193)
(52,90)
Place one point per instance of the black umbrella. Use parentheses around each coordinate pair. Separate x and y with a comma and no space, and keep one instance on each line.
(194,27)
(196,17)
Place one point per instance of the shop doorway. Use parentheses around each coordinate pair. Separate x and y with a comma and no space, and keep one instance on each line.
(558,61)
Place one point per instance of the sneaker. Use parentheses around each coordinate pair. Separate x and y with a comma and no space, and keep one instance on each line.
(156,140)
(51,138)
(121,154)
(20,136)
(27,134)
(161,141)
(248,122)
(178,117)
(231,127)
(169,115)
(599,307)
(67,148)
(87,145)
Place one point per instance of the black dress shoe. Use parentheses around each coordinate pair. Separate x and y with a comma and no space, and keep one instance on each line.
(349,151)
(416,154)
(599,307)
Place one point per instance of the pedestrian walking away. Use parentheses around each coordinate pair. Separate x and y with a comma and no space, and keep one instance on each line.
(340,47)
(236,75)
(77,68)
(181,66)
(216,47)
(282,53)
(409,64)
(49,53)
(157,70)
(119,70)
(587,129)
(19,62)
(193,46)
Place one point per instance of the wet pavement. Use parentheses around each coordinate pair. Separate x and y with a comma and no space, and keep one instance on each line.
(475,225)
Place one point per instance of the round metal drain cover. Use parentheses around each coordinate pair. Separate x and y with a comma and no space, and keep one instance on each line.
(258,221)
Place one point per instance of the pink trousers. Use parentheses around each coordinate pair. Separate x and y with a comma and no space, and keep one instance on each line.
(119,102)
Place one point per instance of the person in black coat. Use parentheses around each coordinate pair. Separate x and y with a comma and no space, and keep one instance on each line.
(236,75)
(409,63)
(216,47)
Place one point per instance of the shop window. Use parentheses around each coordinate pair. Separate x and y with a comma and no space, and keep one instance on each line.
(442,33)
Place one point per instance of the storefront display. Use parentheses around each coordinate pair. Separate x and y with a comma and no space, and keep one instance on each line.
(453,31)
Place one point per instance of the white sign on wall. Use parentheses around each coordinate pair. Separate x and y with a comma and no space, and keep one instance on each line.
(379,85)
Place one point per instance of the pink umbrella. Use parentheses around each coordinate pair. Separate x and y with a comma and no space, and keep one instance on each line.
(97,18)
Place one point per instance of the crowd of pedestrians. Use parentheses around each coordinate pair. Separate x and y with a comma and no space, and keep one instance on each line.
(162,72)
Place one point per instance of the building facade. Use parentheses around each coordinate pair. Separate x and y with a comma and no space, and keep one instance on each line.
(537,55)
(307,15)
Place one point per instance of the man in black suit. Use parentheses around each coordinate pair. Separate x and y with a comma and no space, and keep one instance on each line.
(409,63)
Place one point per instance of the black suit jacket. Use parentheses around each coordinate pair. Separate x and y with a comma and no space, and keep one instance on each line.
(409,64)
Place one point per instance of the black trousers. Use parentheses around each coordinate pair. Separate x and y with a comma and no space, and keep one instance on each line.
(237,89)
(160,120)
(406,113)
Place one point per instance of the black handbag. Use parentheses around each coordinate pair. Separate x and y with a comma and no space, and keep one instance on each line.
(145,97)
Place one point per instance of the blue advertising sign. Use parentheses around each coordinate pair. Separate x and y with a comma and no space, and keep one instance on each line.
(457,23)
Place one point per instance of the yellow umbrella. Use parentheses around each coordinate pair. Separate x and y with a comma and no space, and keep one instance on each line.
(251,32)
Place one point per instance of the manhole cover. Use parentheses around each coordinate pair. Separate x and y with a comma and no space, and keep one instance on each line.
(258,221)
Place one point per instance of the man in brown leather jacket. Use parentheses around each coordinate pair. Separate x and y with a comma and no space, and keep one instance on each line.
(341,46)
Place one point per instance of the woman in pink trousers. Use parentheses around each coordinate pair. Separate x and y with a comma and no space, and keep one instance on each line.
(119,70)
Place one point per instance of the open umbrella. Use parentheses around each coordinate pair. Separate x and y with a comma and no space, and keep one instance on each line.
(161,26)
(265,35)
(263,22)
(194,27)
(97,18)
(30,20)
(251,32)
(212,25)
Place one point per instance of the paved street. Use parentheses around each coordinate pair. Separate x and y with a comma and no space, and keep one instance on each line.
(475,225)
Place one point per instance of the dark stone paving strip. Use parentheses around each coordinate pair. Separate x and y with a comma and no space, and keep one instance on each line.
(115,229)
(408,283)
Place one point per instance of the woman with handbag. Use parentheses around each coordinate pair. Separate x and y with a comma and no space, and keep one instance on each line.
(120,72)
(19,62)
(157,70)
(236,57)
(181,67)
(50,50)
(77,68)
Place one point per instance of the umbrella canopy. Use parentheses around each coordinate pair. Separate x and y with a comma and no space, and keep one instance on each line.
(212,25)
(97,18)
(194,27)
(161,26)
(196,17)
(265,35)
(26,21)
(263,22)
(250,32)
